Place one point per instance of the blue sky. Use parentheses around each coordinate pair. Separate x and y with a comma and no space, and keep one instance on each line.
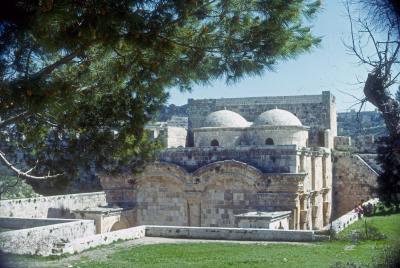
(328,67)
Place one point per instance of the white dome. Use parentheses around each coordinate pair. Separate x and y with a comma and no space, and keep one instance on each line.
(277,117)
(225,118)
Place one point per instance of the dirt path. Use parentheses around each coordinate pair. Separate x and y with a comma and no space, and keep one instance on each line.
(101,253)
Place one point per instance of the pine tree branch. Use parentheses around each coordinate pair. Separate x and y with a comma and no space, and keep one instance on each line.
(49,69)
(14,119)
(26,174)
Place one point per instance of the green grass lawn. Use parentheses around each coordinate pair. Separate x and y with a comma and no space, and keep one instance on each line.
(336,253)
(323,254)
(2,229)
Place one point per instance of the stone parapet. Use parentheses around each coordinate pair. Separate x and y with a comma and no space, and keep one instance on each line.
(217,233)
(42,240)
(84,243)
(58,206)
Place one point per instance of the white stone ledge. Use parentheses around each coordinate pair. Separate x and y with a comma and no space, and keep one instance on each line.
(84,243)
(42,240)
(221,233)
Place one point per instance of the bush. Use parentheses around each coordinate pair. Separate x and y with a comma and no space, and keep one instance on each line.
(389,257)
(366,233)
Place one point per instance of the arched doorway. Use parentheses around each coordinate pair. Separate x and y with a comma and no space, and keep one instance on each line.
(269,141)
(214,143)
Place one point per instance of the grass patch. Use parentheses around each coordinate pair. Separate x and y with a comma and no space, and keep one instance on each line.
(388,225)
(238,255)
(2,229)
(340,252)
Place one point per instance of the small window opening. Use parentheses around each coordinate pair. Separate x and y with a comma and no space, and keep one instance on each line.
(214,143)
(269,141)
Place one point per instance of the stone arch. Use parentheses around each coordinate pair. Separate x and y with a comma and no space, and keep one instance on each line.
(214,143)
(160,195)
(210,172)
(269,141)
(230,188)
(120,224)
(168,170)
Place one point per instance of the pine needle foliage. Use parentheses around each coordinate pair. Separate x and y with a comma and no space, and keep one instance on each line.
(82,78)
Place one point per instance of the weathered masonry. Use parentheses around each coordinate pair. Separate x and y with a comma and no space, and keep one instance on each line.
(242,155)
(316,111)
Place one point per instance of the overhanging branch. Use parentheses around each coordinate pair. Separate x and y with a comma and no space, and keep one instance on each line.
(26,174)
(49,69)
(13,119)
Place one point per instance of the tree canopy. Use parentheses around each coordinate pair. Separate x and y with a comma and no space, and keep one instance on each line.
(80,79)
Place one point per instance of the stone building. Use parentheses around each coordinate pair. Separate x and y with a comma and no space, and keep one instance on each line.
(270,154)
(269,163)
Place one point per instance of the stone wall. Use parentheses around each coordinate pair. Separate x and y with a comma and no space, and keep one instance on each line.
(58,206)
(342,143)
(349,218)
(233,137)
(316,111)
(24,223)
(247,234)
(269,159)
(42,240)
(167,194)
(353,180)
(84,243)
(175,137)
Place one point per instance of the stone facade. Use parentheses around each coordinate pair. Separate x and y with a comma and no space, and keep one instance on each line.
(206,187)
(171,133)
(316,111)
(248,156)
(238,163)
(233,137)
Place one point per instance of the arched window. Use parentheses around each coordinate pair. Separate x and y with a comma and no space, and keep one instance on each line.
(214,143)
(269,141)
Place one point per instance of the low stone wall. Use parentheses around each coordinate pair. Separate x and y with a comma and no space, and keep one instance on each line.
(24,223)
(81,244)
(349,218)
(58,206)
(42,240)
(215,233)
(79,235)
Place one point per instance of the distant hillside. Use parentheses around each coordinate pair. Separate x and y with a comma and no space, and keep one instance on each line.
(364,123)
(172,110)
